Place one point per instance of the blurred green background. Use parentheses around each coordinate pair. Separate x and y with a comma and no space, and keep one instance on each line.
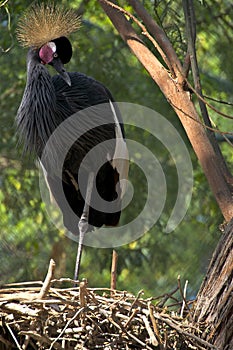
(27,237)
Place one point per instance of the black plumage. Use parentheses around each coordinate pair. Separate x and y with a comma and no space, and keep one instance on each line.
(48,102)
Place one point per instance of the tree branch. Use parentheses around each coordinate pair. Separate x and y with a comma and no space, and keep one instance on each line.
(180,101)
(160,36)
(190,22)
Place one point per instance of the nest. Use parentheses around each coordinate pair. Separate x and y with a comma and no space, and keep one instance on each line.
(36,315)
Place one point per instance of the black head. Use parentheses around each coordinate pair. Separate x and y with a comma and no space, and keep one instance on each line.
(64,49)
(57,52)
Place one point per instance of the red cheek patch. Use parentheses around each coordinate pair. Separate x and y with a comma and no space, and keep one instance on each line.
(46,54)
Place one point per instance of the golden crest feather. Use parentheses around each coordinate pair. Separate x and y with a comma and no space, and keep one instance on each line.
(42,23)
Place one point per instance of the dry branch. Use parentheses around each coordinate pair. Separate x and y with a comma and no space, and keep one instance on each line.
(114,270)
(46,285)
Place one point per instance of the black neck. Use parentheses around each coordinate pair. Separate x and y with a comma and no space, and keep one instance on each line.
(36,115)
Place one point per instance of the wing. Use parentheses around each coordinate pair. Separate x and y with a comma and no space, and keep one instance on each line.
(96,126)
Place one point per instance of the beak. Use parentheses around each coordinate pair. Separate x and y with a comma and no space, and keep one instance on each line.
(58,65)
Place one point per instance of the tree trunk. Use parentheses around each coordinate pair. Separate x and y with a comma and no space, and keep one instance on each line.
(214,304)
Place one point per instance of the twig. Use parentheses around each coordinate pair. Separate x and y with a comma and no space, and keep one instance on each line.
(114,271)
(47,282)
(40,338)
(158,36)
(153,321)
(201,98)
(136,300)
(182,294)
(131,318)
(83,293)
(21,309)
(198,121)
(184,303)
(117,325)
(190,22)
(13,336)
(218,101)
(66,326)
(144,32)
(26,342)
(181,331)
(61,280)
(164,298)
(139,341)
(153,339)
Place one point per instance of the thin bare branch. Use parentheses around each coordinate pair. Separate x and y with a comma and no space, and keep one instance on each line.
(4,4)
(198,121)
(218,101)
(144,32)
(14,337)
(160,36)
(183,294)
(114,270)
(201,98)
(190,21)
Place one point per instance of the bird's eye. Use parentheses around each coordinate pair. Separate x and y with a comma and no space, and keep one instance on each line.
(55,55)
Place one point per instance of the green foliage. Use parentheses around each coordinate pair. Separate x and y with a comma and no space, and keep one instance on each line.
(28,239)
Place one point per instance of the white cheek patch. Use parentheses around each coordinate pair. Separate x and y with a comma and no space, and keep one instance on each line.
(52,45)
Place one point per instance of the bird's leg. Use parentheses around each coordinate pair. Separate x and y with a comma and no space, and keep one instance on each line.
(83,223)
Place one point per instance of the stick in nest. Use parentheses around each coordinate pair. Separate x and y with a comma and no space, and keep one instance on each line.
(114,271)
(47,282)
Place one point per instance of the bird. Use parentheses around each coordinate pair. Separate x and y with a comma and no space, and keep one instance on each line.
(49,102)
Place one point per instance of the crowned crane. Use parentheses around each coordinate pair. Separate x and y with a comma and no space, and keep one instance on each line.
(47,102)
